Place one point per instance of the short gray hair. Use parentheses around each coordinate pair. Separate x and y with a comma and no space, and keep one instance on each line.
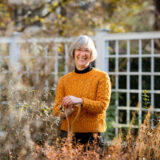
(81,42)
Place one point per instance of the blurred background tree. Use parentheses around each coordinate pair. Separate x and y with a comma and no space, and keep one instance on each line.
(74,17)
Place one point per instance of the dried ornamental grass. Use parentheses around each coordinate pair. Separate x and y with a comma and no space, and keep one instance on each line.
(145,146)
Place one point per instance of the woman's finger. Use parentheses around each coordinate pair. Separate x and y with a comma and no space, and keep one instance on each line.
(66,102)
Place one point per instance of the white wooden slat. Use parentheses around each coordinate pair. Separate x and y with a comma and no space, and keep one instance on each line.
(143,109)
(66,57)
(56,62)
(117,85)
(134,56)
(128,82)
(132,36)
(140,80)
(152,78)
(135,73)
(135,91)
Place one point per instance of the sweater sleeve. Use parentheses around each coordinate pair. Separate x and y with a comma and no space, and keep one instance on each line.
(58,98)
(102,98)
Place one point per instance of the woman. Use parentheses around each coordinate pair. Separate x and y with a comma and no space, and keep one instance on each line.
(88,87)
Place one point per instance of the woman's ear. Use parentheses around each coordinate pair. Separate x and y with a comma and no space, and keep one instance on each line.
(90,57)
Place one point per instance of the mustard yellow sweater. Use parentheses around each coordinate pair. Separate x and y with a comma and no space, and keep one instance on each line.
(95,89)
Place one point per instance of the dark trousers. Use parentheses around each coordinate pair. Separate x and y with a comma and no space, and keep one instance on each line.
(93,139)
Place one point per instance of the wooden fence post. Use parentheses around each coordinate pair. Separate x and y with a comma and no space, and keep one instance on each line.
(14,52)
(102,49)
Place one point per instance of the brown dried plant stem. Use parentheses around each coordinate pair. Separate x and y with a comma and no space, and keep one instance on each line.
(70,128)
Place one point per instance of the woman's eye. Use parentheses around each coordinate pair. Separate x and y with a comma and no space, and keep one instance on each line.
(83,50)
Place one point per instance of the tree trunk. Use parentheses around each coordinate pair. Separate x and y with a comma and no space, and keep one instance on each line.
(157,22)
(157,15)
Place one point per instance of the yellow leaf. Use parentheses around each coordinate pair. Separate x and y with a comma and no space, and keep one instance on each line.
(36,17)
(130,14)
(113,25)
(59,49)
(55,4)
(120,29)
(25,106)
(2,24)
(50,8)
(42,20)
(145,91)
(7,15)
(59,16)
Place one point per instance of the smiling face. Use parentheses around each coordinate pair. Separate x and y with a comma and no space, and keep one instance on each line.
(82,57)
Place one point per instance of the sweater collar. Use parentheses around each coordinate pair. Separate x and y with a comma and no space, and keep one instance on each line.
(89,68)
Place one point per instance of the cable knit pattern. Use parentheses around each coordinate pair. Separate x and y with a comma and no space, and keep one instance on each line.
(94,88)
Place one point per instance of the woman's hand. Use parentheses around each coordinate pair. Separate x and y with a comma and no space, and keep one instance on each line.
(67,112)
(71,101)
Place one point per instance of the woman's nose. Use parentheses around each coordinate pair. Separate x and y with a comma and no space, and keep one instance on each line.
(83,52)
